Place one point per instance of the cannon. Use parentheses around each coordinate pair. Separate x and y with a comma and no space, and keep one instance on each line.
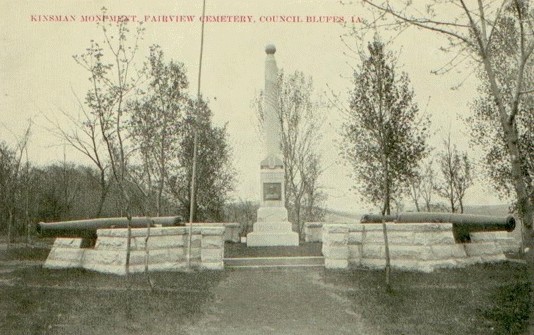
(462,224)
(87,228)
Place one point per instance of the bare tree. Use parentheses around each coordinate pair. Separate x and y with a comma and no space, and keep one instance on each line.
(12,168)
(84,136)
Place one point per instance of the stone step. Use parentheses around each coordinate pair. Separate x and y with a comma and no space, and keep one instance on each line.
(274,262)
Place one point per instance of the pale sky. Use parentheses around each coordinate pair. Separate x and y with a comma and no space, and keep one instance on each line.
(39,74)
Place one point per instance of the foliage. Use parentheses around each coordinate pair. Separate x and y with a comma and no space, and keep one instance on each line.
(156,124)
(214,169)
(243,212)
(112,77)
(384,134)
(485,120)
(456,176)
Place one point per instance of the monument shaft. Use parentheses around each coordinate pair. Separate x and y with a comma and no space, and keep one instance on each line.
(272,227)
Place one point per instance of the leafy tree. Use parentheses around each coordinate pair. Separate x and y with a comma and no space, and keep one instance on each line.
(112,77)
(475,31)
(456,172)
(485,122)
(214,168)
(156,122)
(384,134)
(300,120)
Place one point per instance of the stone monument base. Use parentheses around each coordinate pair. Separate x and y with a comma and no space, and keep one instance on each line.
(268,234)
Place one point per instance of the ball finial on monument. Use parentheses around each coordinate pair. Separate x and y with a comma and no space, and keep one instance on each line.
(270,49)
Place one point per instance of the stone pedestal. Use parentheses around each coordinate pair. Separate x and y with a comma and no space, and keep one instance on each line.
(272,229)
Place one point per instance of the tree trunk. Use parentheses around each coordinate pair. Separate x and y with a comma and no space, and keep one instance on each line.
(10,220)
(103,194)
(523,200)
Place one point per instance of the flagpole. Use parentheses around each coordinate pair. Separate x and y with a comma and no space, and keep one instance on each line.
(195,140)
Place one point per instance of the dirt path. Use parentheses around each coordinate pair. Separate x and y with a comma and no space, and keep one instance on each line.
(279,301)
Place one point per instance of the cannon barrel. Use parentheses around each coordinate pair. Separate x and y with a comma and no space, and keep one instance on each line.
(88,228)
(464,223)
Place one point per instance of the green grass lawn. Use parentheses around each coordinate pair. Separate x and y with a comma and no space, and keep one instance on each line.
(482,299)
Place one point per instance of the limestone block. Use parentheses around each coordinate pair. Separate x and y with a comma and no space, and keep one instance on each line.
(195,253)
(74,243)
(167,241)
(272,226)
(212,255)
(482,249)
(276,214)
(355,227)
(336,263)
(504,239)
(110,243)
(313,234)
(374,237)
(313,231)
(70,255)
(409,252)
(433,238)
(401,237)
(336,239)
(61,264)
(355,252)
(212,230)
(196,242)
(106,257)
(212,241)
(355,237)
(336,252)
(483,237)
(448,251)
(373,250)
(261,239)
(335,228)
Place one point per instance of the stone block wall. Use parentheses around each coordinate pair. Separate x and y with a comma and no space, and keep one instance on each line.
(167,250)
(313,231)
(415,247)
(507,241)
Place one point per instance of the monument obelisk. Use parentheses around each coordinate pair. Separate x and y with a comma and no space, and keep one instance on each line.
(272,227)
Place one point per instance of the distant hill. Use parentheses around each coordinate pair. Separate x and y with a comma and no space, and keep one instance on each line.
(498,210)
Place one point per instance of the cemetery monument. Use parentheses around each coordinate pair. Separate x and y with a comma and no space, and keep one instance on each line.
(272,227)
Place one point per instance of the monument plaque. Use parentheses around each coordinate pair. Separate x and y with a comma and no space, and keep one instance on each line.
(272,227)
(272,191)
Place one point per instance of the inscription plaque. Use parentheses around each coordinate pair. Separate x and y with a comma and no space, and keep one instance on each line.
(272,191)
